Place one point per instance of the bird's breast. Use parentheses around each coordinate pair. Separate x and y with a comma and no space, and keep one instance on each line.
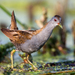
(31,45)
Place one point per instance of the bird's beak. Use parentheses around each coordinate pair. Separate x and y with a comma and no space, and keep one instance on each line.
(60,25)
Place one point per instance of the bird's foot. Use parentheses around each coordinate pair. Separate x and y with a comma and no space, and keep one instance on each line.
(20,70)
(33,68)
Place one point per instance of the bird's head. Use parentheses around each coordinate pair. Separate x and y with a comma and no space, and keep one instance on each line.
(56,20)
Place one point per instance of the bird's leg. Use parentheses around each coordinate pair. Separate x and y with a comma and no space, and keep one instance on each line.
(31,63)
(12,52)
(30,57)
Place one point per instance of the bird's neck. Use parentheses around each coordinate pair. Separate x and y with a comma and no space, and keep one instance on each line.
(46,31)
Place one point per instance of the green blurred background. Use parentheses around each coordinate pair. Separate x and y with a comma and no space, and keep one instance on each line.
(27,11)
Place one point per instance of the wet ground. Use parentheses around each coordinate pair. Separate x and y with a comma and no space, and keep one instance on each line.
(46,64)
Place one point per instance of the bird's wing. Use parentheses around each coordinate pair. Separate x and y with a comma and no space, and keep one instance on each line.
(17,36)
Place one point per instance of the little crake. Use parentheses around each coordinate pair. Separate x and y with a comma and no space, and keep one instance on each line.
(30,41)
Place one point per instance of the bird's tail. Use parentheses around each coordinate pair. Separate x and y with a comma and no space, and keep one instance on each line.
(13,25)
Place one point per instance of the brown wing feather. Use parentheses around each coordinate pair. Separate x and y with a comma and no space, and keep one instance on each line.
(17,36)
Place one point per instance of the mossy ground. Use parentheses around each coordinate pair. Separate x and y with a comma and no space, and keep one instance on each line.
(42,62)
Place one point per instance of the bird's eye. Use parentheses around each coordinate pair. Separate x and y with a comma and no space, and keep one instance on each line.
(55,20)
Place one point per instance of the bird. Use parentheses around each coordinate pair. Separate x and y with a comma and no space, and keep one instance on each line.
(30,41)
